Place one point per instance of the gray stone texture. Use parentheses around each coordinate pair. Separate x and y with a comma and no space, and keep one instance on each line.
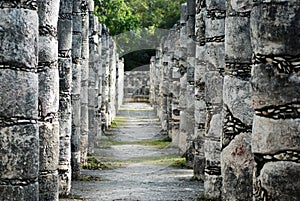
(48,99)
(275,81)
(19,152)
(65,29)
(84,128)
(136,86)
(237,159)
(76,87)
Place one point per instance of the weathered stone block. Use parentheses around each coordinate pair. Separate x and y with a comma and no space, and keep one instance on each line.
(16,193)
(212,186)
(236,96)
(270,135)
(18,94)
(237,167)
(48,185)
(19,148)
(270,27)
(216,4)
(215,56)
(65,75)
(215,27)
(18,41)
(213,88)
(273,88)
(238,29)
(65,34)
(49,146)
(48,91)
(278,181)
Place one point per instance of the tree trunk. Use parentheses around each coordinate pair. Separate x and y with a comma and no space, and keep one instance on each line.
(48,99)
(19,152)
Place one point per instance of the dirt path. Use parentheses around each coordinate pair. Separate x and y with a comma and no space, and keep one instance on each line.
(137,163)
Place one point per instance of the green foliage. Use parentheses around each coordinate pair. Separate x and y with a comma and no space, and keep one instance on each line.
(138,25)
(116,15)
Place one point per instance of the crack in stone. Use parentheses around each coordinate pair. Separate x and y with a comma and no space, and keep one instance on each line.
(283,63)
(232,127)
(287,111)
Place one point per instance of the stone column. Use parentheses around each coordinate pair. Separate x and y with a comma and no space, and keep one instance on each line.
(215,37)
(105,80)
(199,82)
(93,42)
(175,88)
(65,84)
(19,143)
(48,99)
(99,82)
(183,81)
(76,88)
(112,80)
(275,39)
(237,158)
(84,128)
(190,90)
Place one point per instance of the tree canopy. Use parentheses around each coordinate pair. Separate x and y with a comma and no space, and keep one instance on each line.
(136,23)
(121,16)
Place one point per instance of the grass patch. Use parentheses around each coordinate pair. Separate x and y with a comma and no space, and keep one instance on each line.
(118,122)
(94,164)
(71,196)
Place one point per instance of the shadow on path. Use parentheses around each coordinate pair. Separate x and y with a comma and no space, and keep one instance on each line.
(136,162)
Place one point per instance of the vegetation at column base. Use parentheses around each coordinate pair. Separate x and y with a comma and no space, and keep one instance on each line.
(71,196)
(207,198)
(94,164)
(118,122)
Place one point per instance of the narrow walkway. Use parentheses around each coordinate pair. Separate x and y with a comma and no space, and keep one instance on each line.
(134,161)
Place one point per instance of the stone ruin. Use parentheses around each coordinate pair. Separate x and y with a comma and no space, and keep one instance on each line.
(61,84)
(224,82)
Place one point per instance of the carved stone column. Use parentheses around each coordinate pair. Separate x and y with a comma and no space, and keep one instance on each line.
(237,158)
(84,128)
(76,88)
(93,43)
(65,105)
(199,82)
(275,39)
(48,99)
(19,142)
(215,48)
